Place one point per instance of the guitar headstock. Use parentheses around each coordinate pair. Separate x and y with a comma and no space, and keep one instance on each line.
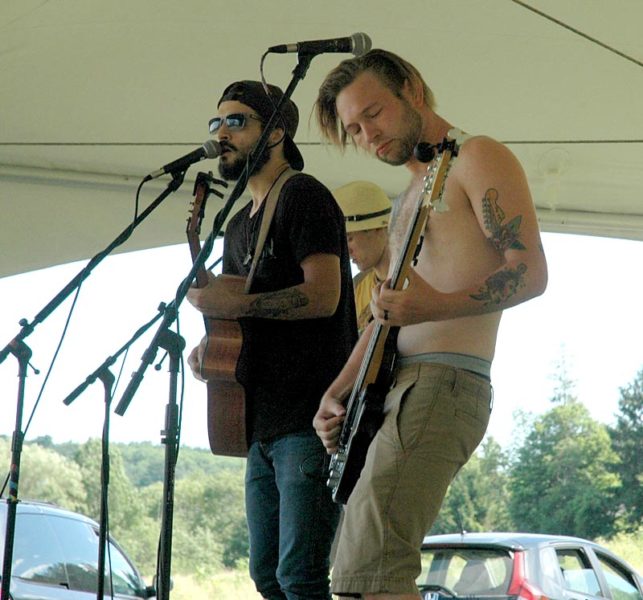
(436,174)
(197,205)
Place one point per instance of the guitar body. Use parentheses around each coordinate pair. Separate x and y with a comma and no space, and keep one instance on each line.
(226,396)
(365,407)
(362,422)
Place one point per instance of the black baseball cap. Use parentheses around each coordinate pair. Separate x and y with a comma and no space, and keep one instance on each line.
(253,94)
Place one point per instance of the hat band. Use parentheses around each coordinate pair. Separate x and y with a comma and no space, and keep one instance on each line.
(356,218)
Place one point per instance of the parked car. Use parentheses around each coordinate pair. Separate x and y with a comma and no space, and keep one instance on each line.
(55,557)
(522,566)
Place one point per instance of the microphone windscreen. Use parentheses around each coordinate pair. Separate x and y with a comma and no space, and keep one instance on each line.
(212,148)
(361,43)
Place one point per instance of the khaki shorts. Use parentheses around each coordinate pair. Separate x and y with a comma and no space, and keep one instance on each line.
(435,418)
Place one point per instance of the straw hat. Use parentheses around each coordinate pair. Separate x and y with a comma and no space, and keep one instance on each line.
(364,204)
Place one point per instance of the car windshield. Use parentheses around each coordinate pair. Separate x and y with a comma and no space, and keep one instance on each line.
(466,571)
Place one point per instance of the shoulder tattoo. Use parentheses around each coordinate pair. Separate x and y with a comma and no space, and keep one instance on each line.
(503,235)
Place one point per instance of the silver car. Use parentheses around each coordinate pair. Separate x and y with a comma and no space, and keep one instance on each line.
(523,566)
(55,557)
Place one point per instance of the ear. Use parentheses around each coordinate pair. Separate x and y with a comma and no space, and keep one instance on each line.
(413,92)
(275,135)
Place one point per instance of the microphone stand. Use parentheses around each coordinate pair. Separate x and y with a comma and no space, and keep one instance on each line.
(170,315)
(106,376)
(22,352)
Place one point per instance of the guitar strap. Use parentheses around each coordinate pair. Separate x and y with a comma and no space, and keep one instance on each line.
(266,220)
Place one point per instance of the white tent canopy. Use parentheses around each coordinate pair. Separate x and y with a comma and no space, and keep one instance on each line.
(96,94)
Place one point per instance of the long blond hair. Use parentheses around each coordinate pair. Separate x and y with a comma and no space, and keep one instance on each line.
(393,71)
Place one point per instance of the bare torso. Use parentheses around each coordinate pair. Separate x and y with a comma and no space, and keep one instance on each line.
(455,255)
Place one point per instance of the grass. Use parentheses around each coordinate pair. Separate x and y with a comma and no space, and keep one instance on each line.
(225,585)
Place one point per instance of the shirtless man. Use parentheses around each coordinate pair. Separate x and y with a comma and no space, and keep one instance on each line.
(481,256)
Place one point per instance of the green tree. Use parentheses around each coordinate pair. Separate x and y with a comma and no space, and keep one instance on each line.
(493,489)
(563,481)
(211,508)
(458,512)
(627,441)
(477,499)
(134,530)
(47,476)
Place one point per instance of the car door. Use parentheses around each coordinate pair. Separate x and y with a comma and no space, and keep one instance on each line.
(79,542)
(621,581)
(580,579)
(38,568)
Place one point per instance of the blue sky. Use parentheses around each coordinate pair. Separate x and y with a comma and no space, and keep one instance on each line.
(589,317)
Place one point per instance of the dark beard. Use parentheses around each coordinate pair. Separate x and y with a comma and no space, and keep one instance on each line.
(232,171)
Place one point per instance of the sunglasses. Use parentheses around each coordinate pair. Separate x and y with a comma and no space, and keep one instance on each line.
(235,121)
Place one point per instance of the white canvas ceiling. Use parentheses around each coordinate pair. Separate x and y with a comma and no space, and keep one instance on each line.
(96,94)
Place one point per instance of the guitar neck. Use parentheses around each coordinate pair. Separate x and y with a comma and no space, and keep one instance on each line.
(429,199)
(194,228)
(201,277)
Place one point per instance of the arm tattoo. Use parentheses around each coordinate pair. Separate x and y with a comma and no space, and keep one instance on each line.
(500,286)
(277,304)
(503,235)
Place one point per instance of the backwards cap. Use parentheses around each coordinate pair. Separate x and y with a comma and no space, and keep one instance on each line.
(253,94)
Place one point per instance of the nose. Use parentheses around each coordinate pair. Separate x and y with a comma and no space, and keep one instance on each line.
(222,133)
(370,131)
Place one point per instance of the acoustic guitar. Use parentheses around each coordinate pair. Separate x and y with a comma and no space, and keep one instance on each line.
(365,406)
(223,339)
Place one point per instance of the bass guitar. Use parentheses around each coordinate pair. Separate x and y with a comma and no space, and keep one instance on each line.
(365,406)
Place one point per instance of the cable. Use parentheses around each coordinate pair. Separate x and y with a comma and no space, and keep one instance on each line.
(53,360)
(577,32)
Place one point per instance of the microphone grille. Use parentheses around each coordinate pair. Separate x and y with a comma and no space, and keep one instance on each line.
(212,149)
(361,43)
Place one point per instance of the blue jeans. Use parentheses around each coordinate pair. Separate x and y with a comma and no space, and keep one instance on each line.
(291,517)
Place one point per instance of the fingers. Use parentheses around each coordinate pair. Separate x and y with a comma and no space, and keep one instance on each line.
(194,362)
(328,424)
(329,432)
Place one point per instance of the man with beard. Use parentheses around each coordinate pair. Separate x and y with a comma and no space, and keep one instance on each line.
(481,256)
(298,324)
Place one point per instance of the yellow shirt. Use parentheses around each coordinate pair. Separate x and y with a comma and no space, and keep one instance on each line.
(363,283)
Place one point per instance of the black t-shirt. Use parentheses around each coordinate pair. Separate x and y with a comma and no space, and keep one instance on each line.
(286,366)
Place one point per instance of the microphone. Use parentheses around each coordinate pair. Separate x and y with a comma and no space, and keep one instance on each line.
(210,149)
(358,44)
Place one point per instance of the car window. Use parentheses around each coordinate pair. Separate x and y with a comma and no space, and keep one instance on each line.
(619,580)
(467,571)
(577,571)
(79,541)
(80,550)
(124,578)
(37,555)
